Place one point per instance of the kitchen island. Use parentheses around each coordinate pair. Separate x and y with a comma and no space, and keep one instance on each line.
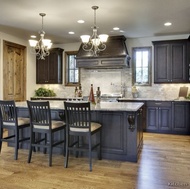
(122,131)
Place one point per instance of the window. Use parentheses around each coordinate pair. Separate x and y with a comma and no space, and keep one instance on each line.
(142,72)
(72,72)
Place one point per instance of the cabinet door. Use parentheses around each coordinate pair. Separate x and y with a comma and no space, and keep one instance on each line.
(161,63)
(164,119)
(179,62)
(180,113)
(42,68)
(158,116)
(171,61)
(49,71)
(55,67)
(152,119)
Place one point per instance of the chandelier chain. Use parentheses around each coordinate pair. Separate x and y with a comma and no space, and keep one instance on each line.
(95,17)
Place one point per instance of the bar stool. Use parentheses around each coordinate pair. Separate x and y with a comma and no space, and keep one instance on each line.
(14,125)
(42,123)
(78,120)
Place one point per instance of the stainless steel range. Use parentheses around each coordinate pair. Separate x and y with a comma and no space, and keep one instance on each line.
(110,97)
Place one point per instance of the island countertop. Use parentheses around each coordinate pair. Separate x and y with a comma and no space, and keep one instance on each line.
(102,106)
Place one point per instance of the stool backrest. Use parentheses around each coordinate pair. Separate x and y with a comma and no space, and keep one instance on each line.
(78,116)
(40,114)
(8,113)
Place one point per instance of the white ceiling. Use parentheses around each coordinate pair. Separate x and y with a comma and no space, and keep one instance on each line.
(137,18)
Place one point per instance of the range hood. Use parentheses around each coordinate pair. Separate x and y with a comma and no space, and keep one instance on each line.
(114,56)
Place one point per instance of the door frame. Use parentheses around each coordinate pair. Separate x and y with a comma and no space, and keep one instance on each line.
(8,43)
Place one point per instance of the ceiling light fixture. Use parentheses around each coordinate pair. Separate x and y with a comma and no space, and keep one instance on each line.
(80,21)
(115,28)
(95,43)
(168,24)
(41,47)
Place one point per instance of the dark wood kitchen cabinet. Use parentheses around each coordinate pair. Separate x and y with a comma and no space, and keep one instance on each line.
(49,71)
(180,114)
(159,116)
(171,61)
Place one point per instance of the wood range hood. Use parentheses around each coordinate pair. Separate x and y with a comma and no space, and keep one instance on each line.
(114,56)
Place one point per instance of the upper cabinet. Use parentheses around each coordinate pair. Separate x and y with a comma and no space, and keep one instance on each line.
(171,61)
(49,71)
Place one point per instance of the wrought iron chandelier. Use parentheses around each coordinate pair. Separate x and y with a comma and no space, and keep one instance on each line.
(95,43)
(41,47)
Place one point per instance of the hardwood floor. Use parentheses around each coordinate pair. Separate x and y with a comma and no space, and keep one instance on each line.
(164,164)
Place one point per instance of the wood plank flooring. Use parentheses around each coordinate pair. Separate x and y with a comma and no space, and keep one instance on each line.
(164,164)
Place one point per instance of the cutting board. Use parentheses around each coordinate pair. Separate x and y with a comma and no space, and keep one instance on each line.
(183,91)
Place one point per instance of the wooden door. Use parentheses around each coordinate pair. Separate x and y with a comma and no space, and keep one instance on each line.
(14,72)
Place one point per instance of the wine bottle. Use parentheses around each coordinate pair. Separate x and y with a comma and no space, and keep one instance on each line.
(80,91)
(91,96)
(98,94)
(76,92)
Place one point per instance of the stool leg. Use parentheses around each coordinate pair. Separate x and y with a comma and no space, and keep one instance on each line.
(64,153)
(1,136)
(100,145)
(16,144)
(50,150)
(67,151)
(32,140)
(90,152)
(45,142)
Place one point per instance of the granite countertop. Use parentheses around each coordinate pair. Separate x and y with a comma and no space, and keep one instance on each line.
(103,106)
(56,98)
(156,99)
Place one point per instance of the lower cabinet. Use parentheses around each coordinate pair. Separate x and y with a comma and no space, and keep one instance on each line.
(159,116)
(165,116)
(180,114)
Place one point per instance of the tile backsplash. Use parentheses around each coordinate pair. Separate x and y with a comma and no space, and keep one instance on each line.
(117,81)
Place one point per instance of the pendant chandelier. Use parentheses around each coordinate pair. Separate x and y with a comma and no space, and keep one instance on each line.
(41,47)
(95,43)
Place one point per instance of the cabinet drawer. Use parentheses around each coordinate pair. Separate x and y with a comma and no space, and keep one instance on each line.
(158,103)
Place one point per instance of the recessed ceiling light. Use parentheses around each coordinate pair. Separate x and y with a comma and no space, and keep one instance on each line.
(80,21)
(115,28)
(33,36)
(71,32)
(168,24)
(121,31)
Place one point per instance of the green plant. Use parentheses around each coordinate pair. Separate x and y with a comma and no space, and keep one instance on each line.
(43,92)
(188,96)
